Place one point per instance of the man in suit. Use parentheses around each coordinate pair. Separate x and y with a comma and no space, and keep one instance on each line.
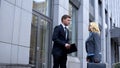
(61,43)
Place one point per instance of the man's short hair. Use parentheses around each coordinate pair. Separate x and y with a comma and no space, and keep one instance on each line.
(65,17)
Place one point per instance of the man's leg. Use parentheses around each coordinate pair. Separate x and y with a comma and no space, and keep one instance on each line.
(63,61)
(56,61)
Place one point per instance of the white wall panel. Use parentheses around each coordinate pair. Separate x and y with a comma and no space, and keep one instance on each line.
(6,22)
(25,29)
(5,51)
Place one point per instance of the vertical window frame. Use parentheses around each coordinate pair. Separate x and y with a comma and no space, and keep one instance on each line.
(74,26)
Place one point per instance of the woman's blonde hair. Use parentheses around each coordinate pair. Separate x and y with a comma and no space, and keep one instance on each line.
(95,27)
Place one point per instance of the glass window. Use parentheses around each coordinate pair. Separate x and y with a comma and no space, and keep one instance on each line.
(110,23)
(73,26)
(91,9)
(33,42)
(100,8)
(91,18)
(40,41)
(42,6)
(100,11)
(106,17)
(44,41)
(91,2)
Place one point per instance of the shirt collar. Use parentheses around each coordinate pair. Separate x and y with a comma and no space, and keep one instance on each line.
(63,25)
(90,33)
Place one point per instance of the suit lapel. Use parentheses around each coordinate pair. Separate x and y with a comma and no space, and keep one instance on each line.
(62,30)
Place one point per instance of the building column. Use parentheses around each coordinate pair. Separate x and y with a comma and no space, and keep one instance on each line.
(109,38)
(83,22)
(108,44)
(103,40)
(61,7)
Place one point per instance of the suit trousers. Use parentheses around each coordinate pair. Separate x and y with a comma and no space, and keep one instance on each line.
(59,61)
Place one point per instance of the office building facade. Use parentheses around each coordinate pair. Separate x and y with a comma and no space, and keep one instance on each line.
(26,30)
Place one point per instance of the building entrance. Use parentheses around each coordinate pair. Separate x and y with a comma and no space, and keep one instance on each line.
(40,47)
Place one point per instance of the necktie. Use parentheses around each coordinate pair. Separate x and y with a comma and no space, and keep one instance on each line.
(65,32)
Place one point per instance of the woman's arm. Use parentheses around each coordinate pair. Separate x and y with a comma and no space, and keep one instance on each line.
(97,42)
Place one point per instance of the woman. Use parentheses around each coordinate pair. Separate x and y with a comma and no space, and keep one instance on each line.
(93,44)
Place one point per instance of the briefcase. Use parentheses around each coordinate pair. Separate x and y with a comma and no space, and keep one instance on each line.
(73,48)
(96,65)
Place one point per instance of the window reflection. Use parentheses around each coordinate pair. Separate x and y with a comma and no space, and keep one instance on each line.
(43,43)
(73,26)
(39,38)
(33,39)
(41,6)
(100,11)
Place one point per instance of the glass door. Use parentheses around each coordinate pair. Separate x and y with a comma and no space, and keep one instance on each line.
(40,41)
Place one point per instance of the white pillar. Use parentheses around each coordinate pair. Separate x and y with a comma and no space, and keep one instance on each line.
(108,44)
(61,7)
(83,21)
(103,40)
(109,39)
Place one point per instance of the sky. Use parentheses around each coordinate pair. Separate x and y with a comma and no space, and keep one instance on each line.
(39,0)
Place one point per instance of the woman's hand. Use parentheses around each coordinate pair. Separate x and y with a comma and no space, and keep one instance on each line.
(96,60)
(88,60)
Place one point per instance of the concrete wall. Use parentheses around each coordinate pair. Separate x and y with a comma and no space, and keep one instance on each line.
(15,28)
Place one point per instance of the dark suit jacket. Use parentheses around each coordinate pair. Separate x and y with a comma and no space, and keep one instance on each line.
(93,45)
(59,40)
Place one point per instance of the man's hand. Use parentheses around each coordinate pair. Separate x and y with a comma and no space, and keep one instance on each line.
(67,46)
